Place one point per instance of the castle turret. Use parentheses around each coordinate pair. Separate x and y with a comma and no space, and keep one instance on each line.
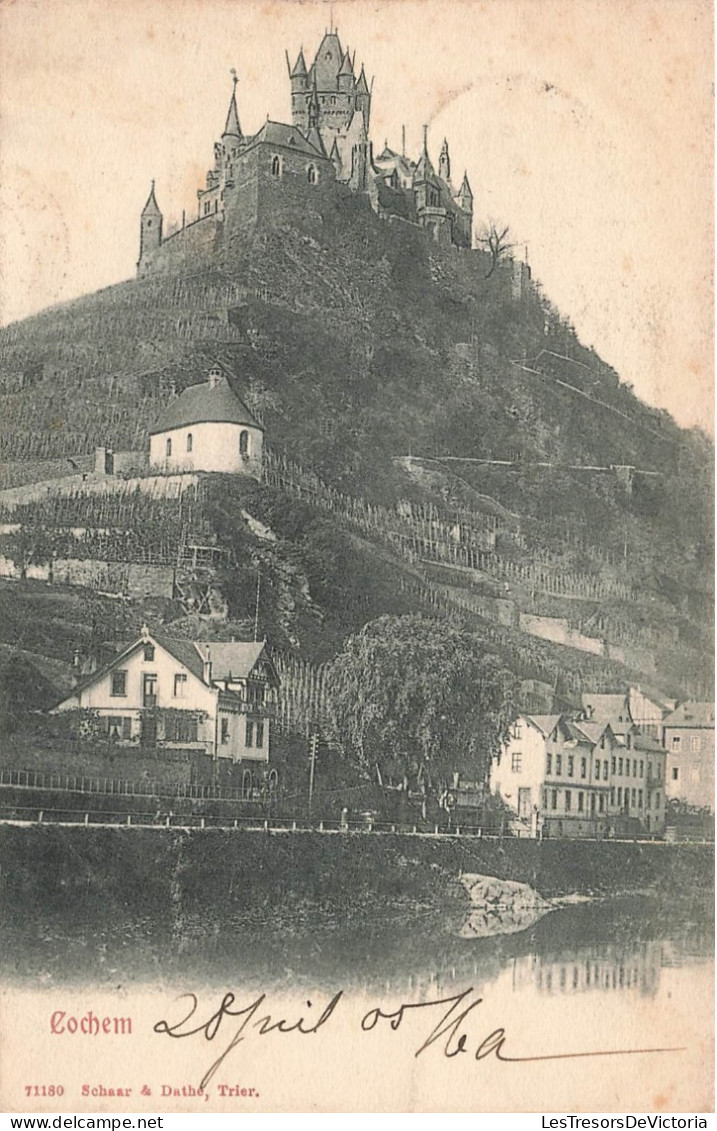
(465,196)
(298,75)
(150,230)
(363,97)
(346,77)
(232,129)
(444,163)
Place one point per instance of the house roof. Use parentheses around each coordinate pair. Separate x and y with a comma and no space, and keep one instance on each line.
(287,137)
(546,724)
(235,659)
(606,708)
(327,63)
(592,731)
(205,403)
(575,732)
(648,744)
(692,714)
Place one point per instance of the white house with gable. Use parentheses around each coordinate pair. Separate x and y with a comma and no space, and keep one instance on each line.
(207,428)
(211,696)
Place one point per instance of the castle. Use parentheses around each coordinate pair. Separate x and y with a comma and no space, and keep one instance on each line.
(295,172)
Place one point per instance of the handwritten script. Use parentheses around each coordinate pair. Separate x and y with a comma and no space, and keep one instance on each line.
(449,1016)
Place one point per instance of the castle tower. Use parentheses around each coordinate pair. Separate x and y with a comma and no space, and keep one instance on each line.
(444,163)
(327,96)
(150,231)
(465,195)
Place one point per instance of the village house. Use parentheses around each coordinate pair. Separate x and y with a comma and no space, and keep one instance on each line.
(688,734)
(207,428)
(208,696)
(579,779)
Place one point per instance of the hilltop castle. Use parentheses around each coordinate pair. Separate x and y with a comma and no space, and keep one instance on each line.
(295,172)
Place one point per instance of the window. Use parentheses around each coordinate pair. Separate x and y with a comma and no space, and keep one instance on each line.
(634,767)
(554,800)
(597,769)
(568,800)
(180,686)
(244,443)
(571,765)
(118,684)
(658,799)
(629,741)
(639,798)
(583,768)
(311,175)
(612,794)
(149,651)
(169,448)
(619,797)
(225,731)
(184,728)
(675,773)
(634,798)
(276,166)
(246,784)
(516,763)
(249,733)
(613,765)
(675,740)
(549,763)
(695,743)
(259,741)
(558,763)
(619,765)
(601,803)
(517,729)
(642,767)
(190,441)
(207,207)
(114,726)
(602,741)
(581,801)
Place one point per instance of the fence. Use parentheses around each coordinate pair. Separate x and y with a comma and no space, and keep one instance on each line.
(66,783)
(418,534)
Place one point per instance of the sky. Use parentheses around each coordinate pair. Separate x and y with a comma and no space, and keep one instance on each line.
(586,125)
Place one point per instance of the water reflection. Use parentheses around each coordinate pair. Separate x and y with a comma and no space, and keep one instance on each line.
(610,946)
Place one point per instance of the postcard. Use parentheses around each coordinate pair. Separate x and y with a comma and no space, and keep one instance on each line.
(356,557)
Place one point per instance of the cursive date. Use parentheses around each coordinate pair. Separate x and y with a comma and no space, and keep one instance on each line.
(449,1032)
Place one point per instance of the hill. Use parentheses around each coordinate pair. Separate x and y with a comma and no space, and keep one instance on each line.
(380,364)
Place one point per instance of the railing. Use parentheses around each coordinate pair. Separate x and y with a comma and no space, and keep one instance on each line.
(66,783)
(34,815)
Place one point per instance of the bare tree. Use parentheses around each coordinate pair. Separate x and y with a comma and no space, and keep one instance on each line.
(494,237)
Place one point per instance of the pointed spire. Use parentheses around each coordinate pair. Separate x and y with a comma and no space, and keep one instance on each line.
(232,127)
(151,205)
(424,168)
(465,189)
(444,162)
(299,70)
(362,85)
(346,65)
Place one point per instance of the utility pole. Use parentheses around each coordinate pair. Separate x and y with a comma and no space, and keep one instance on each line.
(313,744)
(256,611)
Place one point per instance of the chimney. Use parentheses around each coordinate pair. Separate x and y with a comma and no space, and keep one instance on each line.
(207,672)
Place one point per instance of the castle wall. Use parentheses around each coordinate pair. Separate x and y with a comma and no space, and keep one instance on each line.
(198,243)
(291,198)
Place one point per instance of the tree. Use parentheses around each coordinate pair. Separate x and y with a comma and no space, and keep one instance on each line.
(415,700)
(495,238)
